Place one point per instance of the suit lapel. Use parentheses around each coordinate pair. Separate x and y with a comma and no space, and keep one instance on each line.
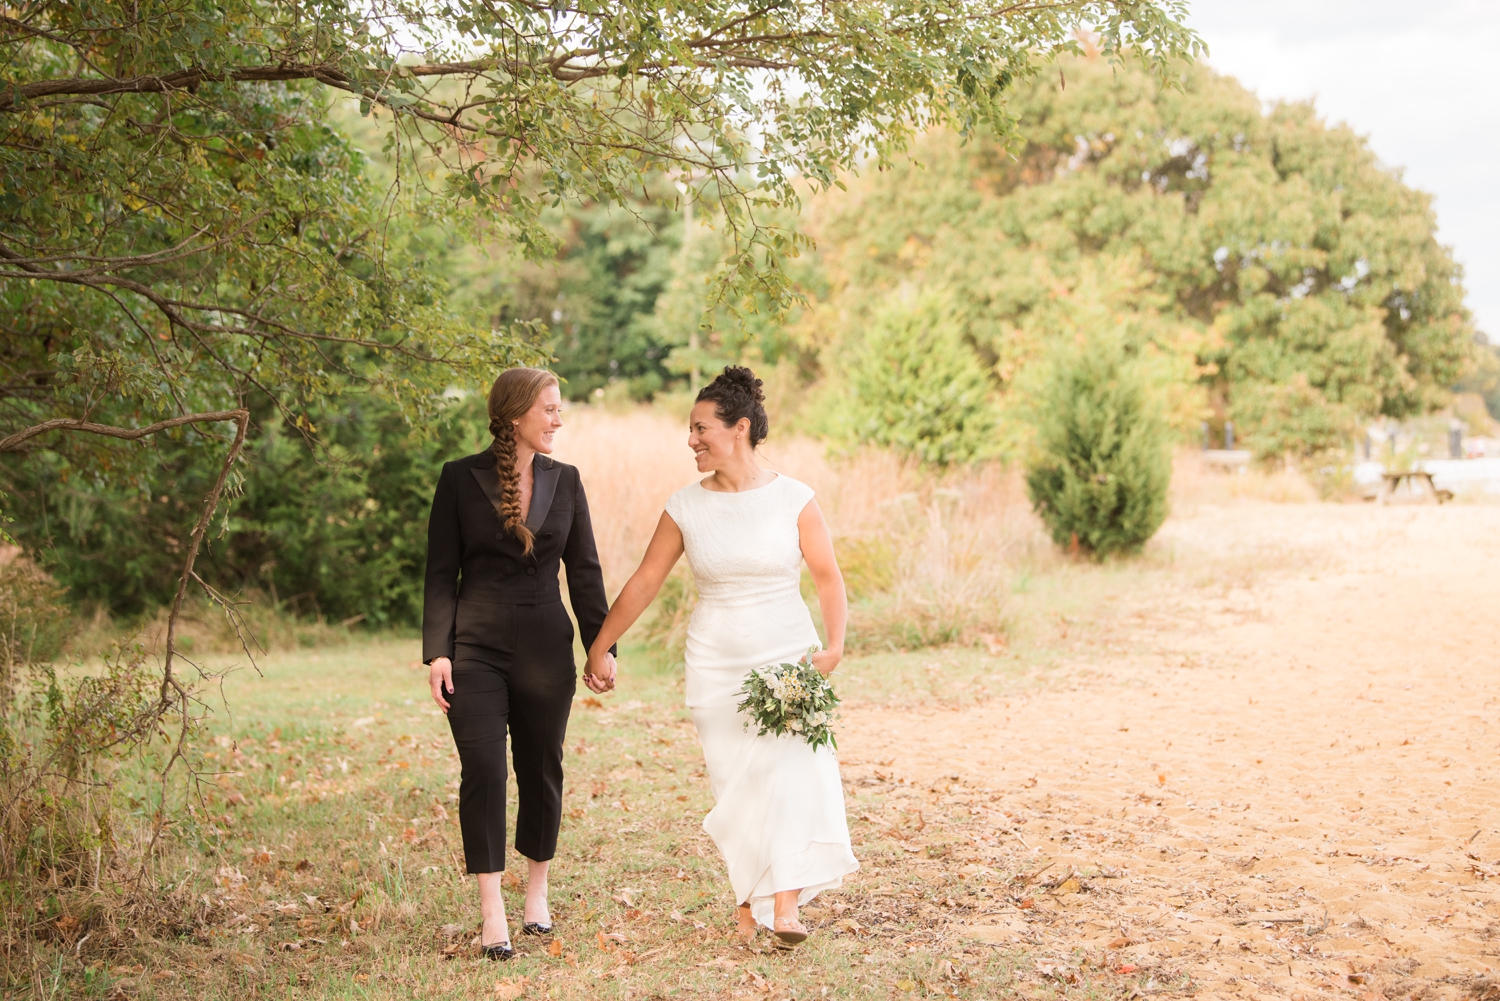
(544,476)
(489,482)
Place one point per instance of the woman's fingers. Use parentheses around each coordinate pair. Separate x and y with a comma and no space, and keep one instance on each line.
(440,678)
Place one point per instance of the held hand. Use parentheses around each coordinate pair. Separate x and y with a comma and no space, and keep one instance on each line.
(826,660)
(440,677)
(599,673)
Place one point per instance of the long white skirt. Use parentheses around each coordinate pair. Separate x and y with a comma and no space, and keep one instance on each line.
(778,817)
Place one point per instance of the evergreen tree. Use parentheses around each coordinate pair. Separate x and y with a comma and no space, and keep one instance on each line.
(917,386)
(1100,465)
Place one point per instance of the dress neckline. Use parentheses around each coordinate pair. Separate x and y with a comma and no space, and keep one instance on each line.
(736,493)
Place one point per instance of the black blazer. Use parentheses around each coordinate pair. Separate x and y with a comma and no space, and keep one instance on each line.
(471,555)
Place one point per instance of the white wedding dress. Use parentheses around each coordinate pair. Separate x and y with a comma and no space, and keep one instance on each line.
(778,817)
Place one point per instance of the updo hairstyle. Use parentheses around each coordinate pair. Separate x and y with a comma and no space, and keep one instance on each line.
(514,393)
(735,393)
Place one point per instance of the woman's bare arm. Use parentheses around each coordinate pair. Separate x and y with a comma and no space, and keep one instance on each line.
(817,550)
(661,555)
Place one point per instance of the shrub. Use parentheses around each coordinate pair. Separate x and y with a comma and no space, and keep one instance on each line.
(917,385)
(1099,468)
(34,621)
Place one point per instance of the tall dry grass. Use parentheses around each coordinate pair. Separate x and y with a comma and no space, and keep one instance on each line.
(927,556)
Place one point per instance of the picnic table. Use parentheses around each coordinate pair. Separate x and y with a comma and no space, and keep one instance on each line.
(1411,487)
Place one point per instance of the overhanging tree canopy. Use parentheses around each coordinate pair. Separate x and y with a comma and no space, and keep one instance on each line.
(179,223)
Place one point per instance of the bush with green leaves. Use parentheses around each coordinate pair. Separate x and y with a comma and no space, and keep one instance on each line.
(333,525)
(1100,465)
(918,387)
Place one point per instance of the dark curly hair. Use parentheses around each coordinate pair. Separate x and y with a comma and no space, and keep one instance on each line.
(735,393)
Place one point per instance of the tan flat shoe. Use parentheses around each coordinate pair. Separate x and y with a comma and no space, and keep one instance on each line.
(790,931)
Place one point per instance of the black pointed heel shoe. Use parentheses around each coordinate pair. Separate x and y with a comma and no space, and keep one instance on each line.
(536,928)
(499,952)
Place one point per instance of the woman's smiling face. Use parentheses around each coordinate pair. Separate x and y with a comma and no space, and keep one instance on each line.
(712,442)
(537,426)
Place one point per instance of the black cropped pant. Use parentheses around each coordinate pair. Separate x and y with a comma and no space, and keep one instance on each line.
(512,667)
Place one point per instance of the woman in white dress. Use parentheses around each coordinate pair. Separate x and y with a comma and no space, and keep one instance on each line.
(778,818)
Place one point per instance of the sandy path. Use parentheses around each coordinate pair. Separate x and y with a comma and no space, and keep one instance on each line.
(1275,773)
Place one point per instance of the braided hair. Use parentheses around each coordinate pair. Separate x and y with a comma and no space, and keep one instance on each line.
(513,393)
(736,393)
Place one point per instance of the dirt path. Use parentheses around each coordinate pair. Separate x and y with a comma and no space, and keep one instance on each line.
(1274,775)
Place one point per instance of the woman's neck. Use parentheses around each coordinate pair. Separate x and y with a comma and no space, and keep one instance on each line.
(524,454)
(742,474)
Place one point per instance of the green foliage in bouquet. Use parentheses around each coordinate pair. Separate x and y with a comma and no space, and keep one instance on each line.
(1100,467)
(791,698)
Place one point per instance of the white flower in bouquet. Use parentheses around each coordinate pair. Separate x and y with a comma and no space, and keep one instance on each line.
(791,698)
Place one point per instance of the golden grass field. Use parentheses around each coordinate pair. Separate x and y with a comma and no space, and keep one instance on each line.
(1255,761)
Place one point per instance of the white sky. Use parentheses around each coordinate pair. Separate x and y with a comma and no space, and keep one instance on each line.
(1418,79)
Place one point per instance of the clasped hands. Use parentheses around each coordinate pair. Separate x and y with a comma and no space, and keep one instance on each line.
(598,674)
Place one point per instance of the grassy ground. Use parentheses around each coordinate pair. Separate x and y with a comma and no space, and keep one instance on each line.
(330,863)
(326,861)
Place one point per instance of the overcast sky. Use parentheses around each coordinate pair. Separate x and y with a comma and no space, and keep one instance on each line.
(1418,79)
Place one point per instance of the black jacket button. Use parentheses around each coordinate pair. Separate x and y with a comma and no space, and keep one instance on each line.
(546,535)
(531,571)
(499,536)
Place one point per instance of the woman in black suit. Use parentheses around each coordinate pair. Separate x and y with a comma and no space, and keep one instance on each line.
(497,639)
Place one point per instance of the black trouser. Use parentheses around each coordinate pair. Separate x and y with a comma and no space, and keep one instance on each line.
(512,666)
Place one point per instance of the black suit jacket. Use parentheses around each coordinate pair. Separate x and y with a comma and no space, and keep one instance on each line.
(471,555)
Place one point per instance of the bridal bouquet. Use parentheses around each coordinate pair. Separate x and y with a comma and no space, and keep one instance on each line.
(791,698)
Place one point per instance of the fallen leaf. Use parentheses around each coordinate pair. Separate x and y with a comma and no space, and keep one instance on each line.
(510,881)
(507,990)
(1069,885)
(1125,968)
(452,949)
(1027,904)
(591,702)
(555,949)
(720,963)
(906,985)
(1118,943)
